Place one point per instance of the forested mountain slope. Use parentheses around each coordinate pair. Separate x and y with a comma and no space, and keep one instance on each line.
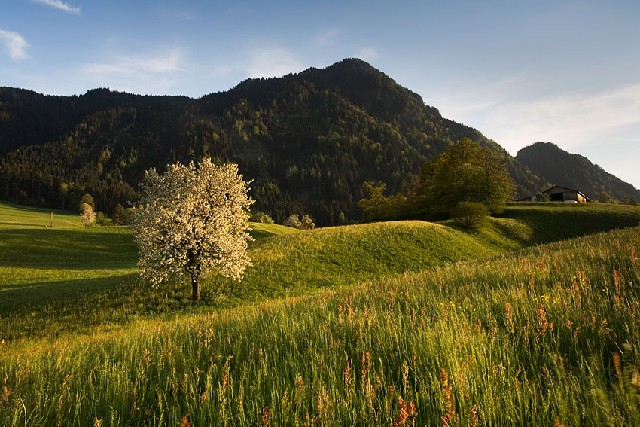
(557,166)
(308,141)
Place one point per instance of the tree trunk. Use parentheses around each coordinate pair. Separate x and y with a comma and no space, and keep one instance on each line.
(195,287)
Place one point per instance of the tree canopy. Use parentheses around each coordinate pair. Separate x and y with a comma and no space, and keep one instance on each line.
(308,141)
(559,167)
(193,220)
(465,172)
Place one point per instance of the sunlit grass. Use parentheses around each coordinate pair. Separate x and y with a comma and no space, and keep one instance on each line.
(383,324)
(547,336)
(18,216)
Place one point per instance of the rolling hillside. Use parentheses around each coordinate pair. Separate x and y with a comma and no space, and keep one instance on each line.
(396,327)
(308,141)
(559,167)
(68,278)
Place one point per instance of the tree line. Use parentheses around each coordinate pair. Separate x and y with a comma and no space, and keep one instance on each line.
(307,141)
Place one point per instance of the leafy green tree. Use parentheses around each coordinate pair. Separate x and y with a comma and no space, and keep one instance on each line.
(306,223)
(604,197)
(102,219)
(261,217)
(374,205)
(193,220)
(465,172)
(122,216)
(470,215)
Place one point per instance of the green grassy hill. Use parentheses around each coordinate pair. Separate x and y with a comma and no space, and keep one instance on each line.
(370,324)
(551,222)
(18,216)
(545,336)
(73,279)
(68,278)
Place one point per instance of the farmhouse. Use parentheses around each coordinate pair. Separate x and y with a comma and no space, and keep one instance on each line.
(564,194)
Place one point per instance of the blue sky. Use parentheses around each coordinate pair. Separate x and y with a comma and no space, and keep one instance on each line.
(519,71)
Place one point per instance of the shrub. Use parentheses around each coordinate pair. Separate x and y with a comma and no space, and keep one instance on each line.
(307,223)
(122,215)
(102,219)
(261,217)
(292,221)
(470,215)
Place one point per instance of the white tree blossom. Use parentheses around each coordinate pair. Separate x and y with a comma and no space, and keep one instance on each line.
(193,220)
(87,214)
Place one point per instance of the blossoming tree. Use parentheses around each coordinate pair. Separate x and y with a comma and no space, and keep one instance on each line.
(193,220)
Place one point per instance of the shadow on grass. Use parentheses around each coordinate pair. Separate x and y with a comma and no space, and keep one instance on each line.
(68,292)
(49,309)
(67,249)
(552,222)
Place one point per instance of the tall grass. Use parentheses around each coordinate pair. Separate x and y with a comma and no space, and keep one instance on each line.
(545,336)
(550,222)
(54,280)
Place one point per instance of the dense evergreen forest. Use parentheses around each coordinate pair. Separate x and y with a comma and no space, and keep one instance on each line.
(308,141)
(574,171)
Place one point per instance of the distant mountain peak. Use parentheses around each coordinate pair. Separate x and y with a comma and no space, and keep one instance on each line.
(308,140)
(550,162)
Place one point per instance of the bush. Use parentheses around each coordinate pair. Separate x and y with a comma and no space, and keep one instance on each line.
(102,219)
(292,221)
(307,223)
(470,215)
(122,216)
(261,217)
(87,214)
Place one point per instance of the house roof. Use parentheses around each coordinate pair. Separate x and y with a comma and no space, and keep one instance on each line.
(566,190)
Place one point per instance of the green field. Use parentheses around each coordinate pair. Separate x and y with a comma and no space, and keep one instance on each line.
(378,324)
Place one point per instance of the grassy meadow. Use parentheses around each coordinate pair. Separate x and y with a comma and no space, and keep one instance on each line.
(382,324)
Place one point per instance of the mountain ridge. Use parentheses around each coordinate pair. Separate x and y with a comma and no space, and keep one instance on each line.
(560,167)
(307,140)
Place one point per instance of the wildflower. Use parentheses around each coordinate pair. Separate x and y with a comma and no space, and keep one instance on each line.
(186,421)
(616,364)
(266,416)
(348,375)
(508,314)
(6,392)
(405,411)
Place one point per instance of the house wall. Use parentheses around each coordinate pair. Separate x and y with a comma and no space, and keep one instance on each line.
(561,195)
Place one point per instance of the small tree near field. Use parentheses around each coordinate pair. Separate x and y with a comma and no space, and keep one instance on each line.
(87,199)
(292,221)
(466,172)
(87,214)
(470,215)
(306,223)
(193,220)
(604,197)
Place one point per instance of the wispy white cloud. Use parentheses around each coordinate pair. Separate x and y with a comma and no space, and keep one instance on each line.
(59,4)
(367,54)
(570,120)
(581,118)
(272,62)
(14,44)
(169,62)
